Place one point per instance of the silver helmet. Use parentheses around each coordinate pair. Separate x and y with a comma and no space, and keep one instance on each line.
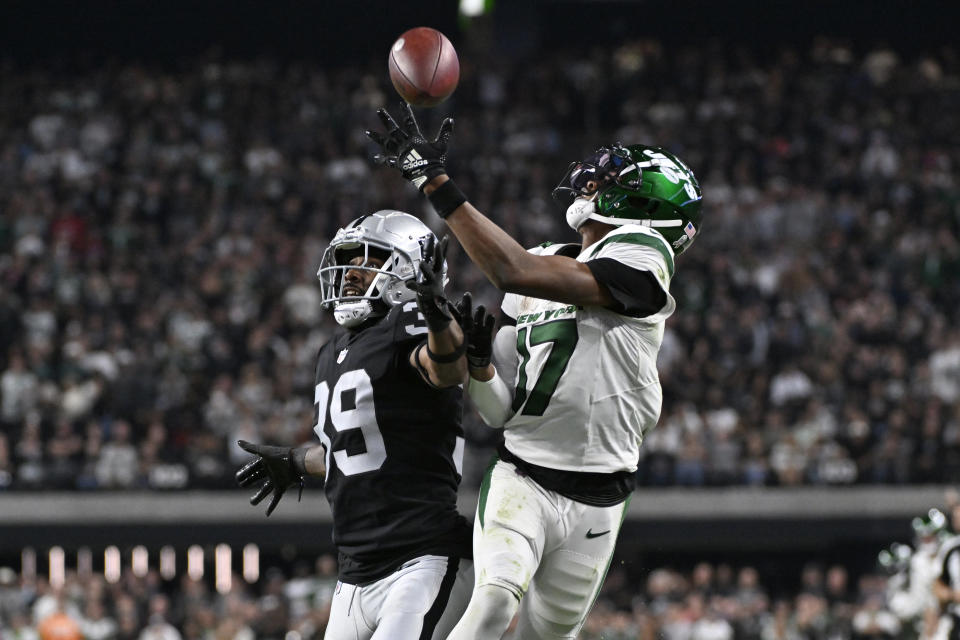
(395,237)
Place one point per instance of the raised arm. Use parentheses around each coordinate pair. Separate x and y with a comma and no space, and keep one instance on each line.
(512,268)
(491,393)
(507,264)
(440,359)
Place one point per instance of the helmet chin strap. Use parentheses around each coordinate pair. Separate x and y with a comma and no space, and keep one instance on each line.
(580,211)
(356,312)
(350,314)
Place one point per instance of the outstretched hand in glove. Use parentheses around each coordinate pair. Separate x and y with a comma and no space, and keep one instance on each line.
(429,284)
(276,465)
(405,148)
(477,327)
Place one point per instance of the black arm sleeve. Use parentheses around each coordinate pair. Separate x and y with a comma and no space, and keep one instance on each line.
(635,293)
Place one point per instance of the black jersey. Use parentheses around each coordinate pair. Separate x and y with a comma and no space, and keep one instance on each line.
(394,449)
(948,558)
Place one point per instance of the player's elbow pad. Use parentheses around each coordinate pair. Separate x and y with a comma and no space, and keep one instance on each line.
(493,400)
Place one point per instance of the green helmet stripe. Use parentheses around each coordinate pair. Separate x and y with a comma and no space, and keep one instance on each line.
(643,239)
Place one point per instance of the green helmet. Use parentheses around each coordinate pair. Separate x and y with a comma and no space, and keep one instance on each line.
(929,525)
(638,184)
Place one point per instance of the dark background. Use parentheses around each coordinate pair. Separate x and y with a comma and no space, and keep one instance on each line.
(52,32)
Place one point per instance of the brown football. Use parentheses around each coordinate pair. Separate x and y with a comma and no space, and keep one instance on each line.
(424,67)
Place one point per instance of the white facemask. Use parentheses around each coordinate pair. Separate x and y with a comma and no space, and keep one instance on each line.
(579,212)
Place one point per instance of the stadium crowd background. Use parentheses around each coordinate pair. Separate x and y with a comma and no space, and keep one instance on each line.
(160,228)
(161,231)
(709,602)
(706,601)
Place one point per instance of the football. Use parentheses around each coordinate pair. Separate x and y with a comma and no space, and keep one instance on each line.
(424,67)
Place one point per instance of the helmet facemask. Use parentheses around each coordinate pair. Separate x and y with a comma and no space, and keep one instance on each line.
(586,178)
(386,288)
(393,237)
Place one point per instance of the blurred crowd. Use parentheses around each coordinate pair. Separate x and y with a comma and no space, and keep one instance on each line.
(147,607)
(708,601)
(160,230)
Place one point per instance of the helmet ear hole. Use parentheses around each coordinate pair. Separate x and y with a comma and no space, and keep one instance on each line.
(396,292)
(644,204)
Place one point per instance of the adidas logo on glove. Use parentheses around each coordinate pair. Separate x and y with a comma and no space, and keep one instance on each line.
(413,160)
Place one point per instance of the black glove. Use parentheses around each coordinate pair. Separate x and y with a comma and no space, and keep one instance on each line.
(405,147)
(277,465)
(429,285)
(477,328)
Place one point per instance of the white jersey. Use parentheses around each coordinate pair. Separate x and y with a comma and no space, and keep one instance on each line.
(586,378)
(924,569)
(910,595)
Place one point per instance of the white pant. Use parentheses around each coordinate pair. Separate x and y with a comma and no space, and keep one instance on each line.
(550,551)
(421,600)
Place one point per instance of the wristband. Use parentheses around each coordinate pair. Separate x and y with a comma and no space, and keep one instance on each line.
(416,361)
(446,198)
(423,371)
(446,358)
(479,362)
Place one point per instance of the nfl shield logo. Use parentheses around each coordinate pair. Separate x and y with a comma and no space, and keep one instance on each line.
(341,356)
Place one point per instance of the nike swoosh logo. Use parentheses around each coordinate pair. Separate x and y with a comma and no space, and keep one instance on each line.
(591,534)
